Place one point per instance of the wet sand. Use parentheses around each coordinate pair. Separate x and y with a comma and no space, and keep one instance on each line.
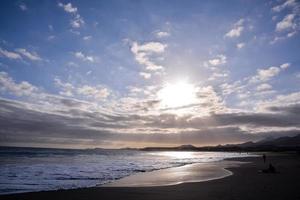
(245,183)
(172,176)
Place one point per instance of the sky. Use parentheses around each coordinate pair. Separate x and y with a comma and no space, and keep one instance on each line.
(135,73)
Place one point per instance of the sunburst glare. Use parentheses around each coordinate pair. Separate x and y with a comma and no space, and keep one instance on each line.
(177,94)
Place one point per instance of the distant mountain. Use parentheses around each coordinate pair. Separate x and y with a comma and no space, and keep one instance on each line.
(282,141)
(268,144)
(186,147)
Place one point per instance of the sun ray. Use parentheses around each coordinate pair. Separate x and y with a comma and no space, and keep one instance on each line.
(177,94)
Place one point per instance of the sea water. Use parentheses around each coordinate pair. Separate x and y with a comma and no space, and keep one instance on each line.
(33,169)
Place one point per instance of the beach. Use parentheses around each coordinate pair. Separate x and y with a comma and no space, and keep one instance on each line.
(246,182)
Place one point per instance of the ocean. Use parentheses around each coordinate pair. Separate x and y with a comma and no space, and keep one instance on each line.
(34,169)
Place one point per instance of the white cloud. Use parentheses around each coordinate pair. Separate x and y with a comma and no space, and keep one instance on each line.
(235,32)
(279,100)
(285,65)
(67,88)
(240,22)
(87,37)
(291,34)
(145,75)
(77,21)
(9,54)
(83,57)
(7,84)
(72,64)
(240,45)
(263,87)
(134,90)
(98,92)
(266,74)
(161,34)
(50,27)
(30,55)
(216,75)
(51,37)
(144,52)
(150,47)
(23,6)
(68,7)
(287,3)
(218,60)
(237,29)
(286,23)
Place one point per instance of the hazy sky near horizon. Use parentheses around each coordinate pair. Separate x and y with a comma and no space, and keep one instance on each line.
(148,73)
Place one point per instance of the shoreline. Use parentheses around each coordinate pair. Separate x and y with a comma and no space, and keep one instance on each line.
(190,173)
(245,183)
(217,164)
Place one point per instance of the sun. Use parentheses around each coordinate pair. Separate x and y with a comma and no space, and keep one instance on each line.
(177,94)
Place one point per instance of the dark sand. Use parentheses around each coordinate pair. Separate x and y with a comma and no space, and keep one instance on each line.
(246,183)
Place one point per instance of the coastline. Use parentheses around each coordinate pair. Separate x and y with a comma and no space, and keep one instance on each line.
(197,172)
(245,183)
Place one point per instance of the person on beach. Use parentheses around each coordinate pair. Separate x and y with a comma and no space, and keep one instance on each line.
(264,158)
(271,169)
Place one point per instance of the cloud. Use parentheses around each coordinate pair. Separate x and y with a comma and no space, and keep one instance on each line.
(30,55)
(76,21)
(39,126)
(9,54)
(86,38)
(280,100)
(83,57)
(266,74)
(240,45)
(67,88)
(237,29)
(281,38)
(217,75)
(144,52)
(217,61)
(161,34)
(23,6)
(51,37)
(285,65)
(68,7)
(150,47)
(145,75)
(252,89)
(72,64)
(55,120)
(235,32)
(291,34)
(7,84)
(286,4)
(97,92)
(287,23)
(263,87)
(50,27)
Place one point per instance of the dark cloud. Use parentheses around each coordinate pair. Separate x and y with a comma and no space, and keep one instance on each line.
(22,125)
